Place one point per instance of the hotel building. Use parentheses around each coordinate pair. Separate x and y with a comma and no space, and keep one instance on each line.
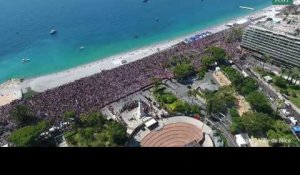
(278,39)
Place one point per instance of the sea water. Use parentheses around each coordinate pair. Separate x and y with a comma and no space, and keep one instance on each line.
(103,27)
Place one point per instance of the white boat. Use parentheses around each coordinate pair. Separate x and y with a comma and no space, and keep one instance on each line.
(53,31)
(25,60)
(248,8)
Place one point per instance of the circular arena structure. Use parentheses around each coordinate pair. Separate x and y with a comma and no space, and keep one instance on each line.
(177,134)
(178,131)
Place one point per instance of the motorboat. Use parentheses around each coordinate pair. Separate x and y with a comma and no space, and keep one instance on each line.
(25,60)
(53,32)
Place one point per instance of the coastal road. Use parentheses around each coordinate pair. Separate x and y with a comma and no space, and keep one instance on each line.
(266,88)
(269,91)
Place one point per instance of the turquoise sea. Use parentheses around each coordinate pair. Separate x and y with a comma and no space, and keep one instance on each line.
(103,27)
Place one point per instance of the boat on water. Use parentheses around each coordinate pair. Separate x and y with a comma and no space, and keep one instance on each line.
(248,8)
(81,48)
(25,60)
(53,32)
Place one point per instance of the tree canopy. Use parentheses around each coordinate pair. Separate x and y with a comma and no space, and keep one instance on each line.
(117,134)
(28,136)
(93,119)
(69,114)
(233,75)
(207,60)
(221,100)
(280,135)
(244,85)
(280,82)
(216,53)
(259,103)
(182,71)
(234,35)
(256,124)
(93,130)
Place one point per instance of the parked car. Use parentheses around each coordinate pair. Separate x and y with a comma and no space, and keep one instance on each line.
(285,96)
(285,112)
(287,104)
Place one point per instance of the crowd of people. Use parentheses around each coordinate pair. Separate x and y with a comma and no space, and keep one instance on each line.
(94,92)
(97,91)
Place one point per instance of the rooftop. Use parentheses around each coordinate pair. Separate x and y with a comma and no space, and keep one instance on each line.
(283,24)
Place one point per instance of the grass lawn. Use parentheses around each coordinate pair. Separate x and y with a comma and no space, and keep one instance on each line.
(295,100)
(170,101)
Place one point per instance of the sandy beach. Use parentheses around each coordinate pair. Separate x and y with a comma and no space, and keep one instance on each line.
(43,83)
(10,91)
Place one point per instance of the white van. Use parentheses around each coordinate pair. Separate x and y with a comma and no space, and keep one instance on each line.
(293,120)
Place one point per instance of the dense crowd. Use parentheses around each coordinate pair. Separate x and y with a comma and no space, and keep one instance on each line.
(94,92)
(97,91)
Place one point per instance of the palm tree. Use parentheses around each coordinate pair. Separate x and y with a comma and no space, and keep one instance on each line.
(294,74)
(283,70)
(266,59)
(298,76)
(289,73)
(209,103)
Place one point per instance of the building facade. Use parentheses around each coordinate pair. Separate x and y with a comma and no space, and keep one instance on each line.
(282,47)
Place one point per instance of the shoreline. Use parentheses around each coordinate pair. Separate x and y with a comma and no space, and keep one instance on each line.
(50,81)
